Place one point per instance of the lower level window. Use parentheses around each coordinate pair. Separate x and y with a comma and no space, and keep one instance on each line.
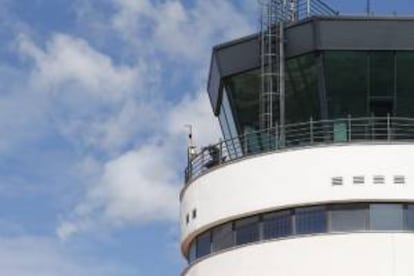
(310,220)
(348,217)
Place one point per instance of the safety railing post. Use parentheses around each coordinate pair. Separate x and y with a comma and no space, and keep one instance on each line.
(349,128)
(388,127)
(220,151)
(311,130)
(277,141)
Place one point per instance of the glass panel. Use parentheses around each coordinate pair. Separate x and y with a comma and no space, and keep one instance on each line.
(233,145)
(405,84)
(192,253)
(386,216)
(224,125)
(243,92)
(278,224)
(409,217)
(247,230)
(203,245)
(381,74)
(344,218)
(223,237)
(229,115)
(340,131)
(310,220)
(302,97)
(346,79)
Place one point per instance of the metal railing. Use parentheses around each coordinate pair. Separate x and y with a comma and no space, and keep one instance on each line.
(307,8)
(308,133)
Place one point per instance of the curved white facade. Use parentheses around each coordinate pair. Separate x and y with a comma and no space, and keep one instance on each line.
(367,254)
(303,177)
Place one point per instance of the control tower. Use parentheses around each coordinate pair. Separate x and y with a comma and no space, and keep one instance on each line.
(315,171)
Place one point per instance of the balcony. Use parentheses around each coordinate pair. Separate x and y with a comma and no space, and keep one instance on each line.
(305,134)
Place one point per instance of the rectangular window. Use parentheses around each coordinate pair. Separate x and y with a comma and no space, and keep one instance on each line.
(223,237)
(277,224)
(310,220)
(203,245)
(386,216)
(381,74)
(247,230)
(346,218)
(192,253)
(409,217)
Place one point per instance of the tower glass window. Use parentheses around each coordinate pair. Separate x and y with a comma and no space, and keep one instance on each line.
(277,224)
(310,220)
(346,218)
(247,230)
(223,237)
(203,245)
(386,216)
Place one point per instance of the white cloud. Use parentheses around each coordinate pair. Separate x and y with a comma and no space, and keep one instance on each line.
(69,60)
(142,185)
(93,101)
(38,256)
(127,119)
(179,31)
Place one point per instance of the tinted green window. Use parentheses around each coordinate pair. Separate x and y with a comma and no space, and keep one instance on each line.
(381,68)
(346,81)
(405,84)
(302,98)
(243,91)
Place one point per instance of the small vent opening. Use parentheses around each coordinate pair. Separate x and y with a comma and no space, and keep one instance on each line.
(337,181)
(379,179)
(359,179)
(399,179)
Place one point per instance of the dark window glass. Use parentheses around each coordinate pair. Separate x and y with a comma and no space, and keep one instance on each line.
(352,217)
(310,220)
(302,98)
(243,91)
(247,230)
(381,67)
(346,79)
(409,217)
(203,245)
(223,237)
(232,147)
(405,84)
(229,115)
(192,253)
(386,216)
(276,225)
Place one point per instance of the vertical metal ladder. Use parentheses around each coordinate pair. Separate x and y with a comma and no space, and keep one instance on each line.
(271,100)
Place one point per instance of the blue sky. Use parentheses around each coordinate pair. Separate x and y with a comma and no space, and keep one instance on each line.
(94,96)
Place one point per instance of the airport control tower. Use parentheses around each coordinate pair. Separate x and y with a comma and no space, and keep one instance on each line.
(315,171)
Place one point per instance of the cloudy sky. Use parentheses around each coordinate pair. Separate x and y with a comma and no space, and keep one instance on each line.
(94,96)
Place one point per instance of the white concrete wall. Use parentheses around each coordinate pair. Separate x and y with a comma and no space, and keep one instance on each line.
(365,254)
(296,177)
